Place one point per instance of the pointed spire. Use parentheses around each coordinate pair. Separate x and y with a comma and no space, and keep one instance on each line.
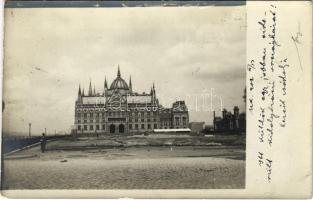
(118,71)
(94,90)
(153,88)
(105,83)
(130,83)
(79,91)
(153,93)
(90,89)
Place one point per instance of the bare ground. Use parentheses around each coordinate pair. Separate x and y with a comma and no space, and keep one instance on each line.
(139,167)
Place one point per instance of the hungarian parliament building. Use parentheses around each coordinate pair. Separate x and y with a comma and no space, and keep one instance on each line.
(119,109)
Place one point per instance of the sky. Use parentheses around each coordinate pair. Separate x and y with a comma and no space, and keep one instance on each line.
(187,52)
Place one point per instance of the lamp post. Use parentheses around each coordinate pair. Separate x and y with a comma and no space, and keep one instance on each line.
(29,129)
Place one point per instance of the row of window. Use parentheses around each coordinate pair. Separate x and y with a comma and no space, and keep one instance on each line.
(165,123)
(131,127)
(130,120)
(91,127)
(142,120)
(177,121)
(97,115)
(136,127)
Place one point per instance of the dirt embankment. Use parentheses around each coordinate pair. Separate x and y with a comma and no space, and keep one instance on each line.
(151,140)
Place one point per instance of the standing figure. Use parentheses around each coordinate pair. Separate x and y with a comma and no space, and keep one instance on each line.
(43,142)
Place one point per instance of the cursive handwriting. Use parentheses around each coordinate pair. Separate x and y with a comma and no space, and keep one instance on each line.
(282,104)
(261,123)
(283,76)
(268,88)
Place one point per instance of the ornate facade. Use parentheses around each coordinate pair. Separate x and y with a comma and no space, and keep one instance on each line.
(118,109)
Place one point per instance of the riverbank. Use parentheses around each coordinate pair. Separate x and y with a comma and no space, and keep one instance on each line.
(137,167)
(153,140)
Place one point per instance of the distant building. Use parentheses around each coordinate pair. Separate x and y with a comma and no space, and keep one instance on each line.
(229,121)
(209,127)
(196,127)
(119,109)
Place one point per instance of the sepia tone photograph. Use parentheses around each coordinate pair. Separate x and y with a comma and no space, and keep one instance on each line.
(124,97)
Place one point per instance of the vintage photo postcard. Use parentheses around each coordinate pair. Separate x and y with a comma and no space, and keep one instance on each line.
(157,99)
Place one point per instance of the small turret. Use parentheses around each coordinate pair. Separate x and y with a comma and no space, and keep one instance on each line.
(105,83)
(224,113)
(151,91)
(118,71)
(236,112)
(130,84)
(79,91)
(90,89)
(105,86)
(154,93)
(79,94)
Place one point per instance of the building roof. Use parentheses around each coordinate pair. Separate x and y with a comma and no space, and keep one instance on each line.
(119,83)
(93,100)
(179,106)
(139,99)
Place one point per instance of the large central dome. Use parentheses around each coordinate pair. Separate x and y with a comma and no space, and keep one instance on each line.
(119,83)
